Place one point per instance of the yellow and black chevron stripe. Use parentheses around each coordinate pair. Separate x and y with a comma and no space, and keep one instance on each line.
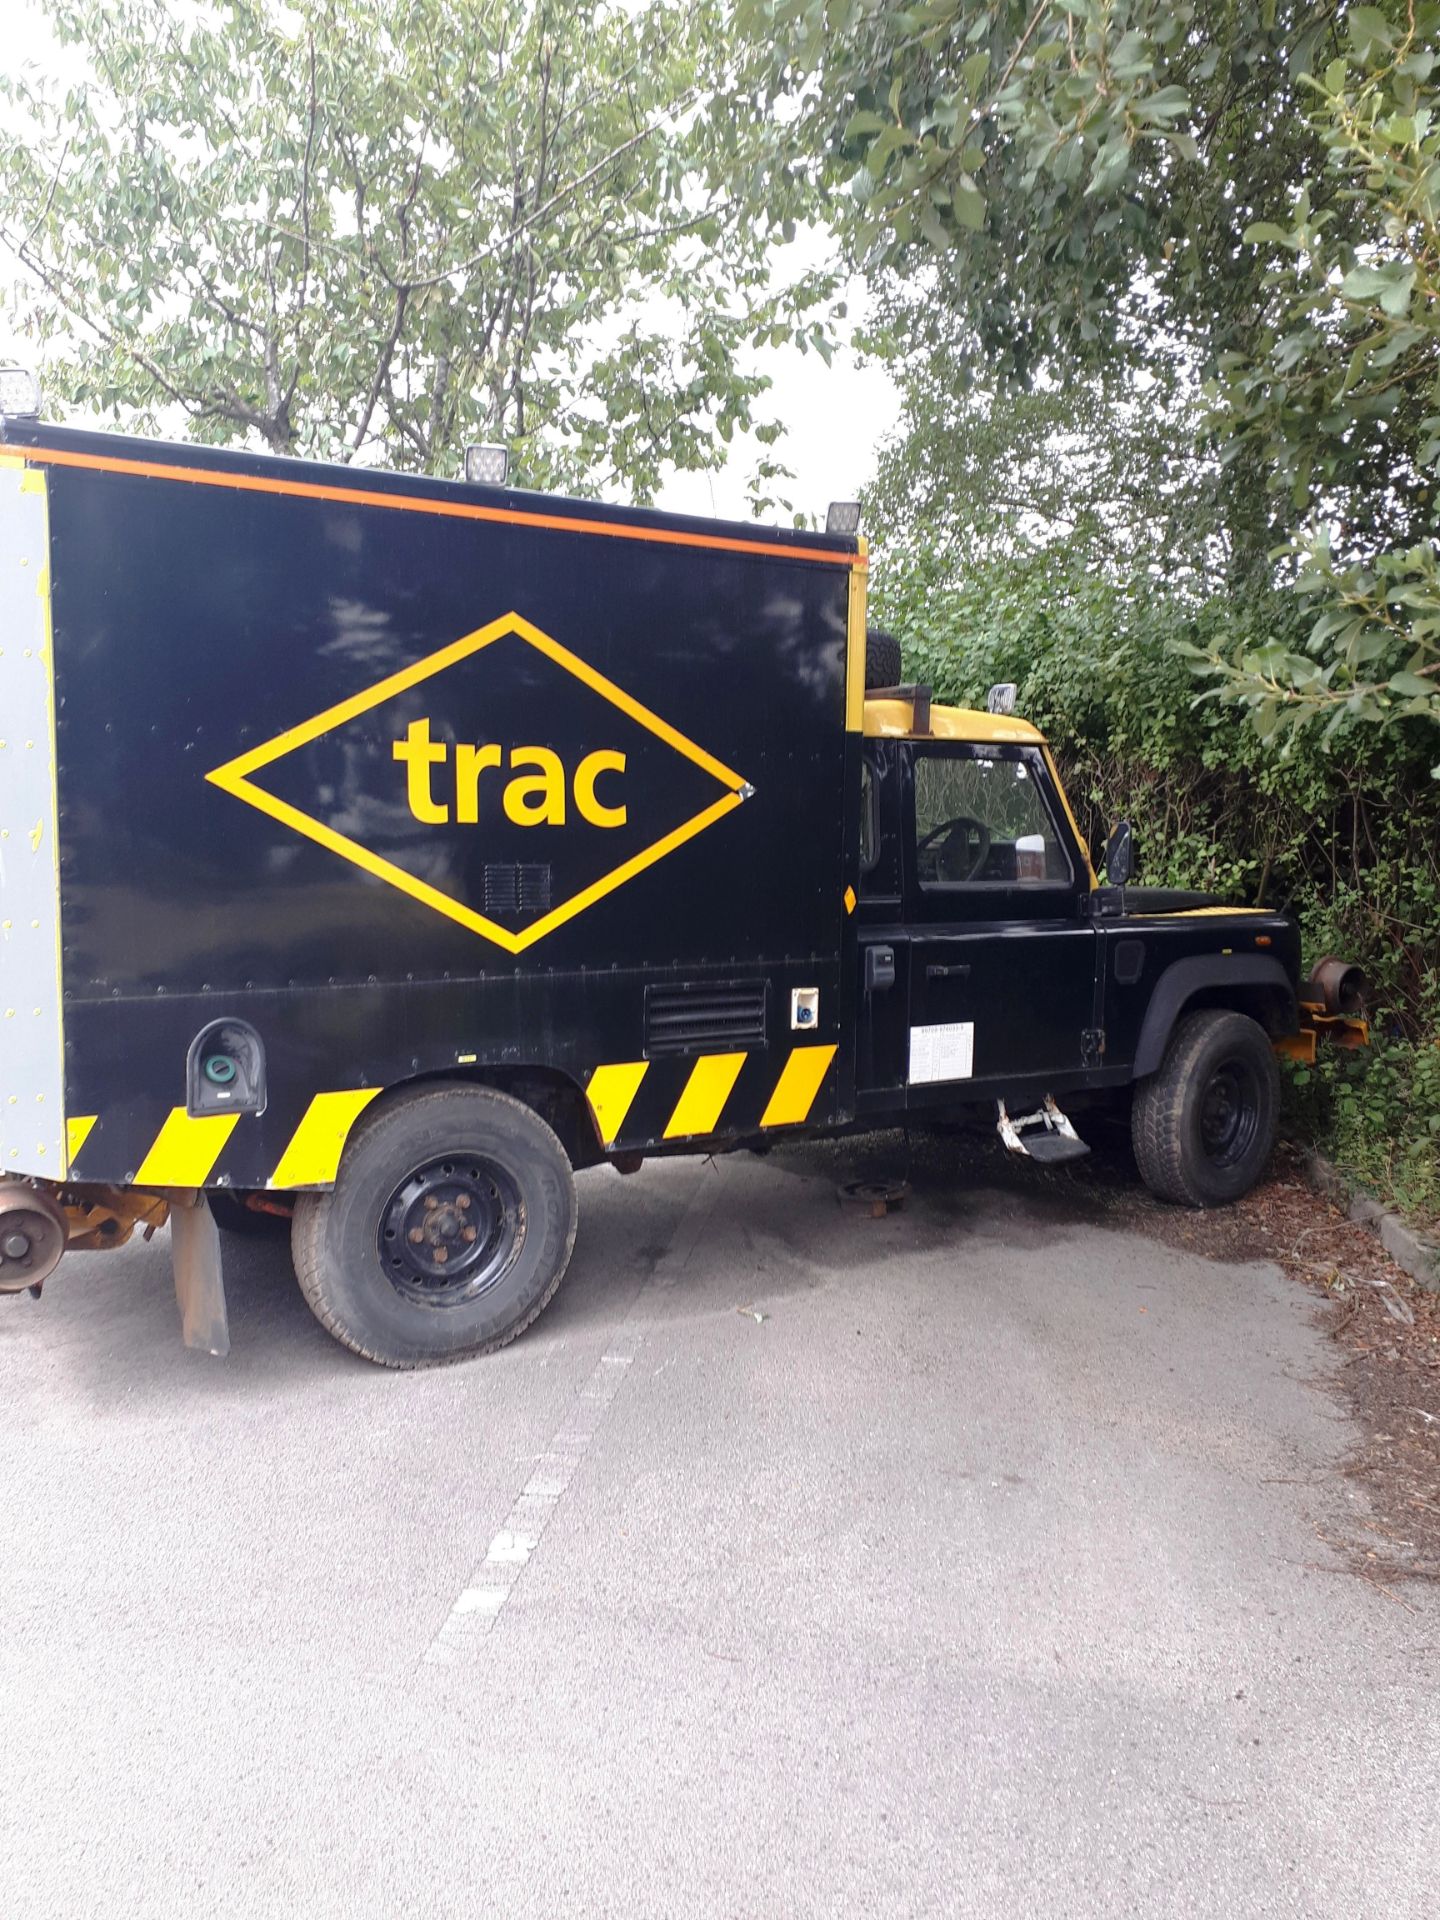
(188,1149)
(635,1103)
(640,1102)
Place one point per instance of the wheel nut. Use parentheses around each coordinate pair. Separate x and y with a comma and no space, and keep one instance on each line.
(417,1234)
(442,1254)
(470,1233)
(462,1201)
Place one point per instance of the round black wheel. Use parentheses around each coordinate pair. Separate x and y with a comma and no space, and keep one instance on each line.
(233,1216)
(882,659)
(448,1228)
(1203,1127)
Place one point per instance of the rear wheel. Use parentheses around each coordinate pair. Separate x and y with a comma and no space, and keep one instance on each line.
(1203,1127)
(448,1229)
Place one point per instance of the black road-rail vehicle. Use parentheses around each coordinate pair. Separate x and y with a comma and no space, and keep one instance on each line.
(377,851)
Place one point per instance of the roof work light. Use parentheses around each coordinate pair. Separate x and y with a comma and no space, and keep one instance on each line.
(843,516)
(19,394)
(487,466)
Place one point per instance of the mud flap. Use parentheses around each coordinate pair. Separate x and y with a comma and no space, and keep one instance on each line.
(199,1279)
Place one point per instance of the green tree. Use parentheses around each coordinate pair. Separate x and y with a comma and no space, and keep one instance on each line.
(1110,469)
(1059,157)
(356,229)
(1340,391)
(1080,188)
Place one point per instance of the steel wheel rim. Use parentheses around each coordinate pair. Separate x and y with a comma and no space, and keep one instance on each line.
(451,1230)
(1230,1112)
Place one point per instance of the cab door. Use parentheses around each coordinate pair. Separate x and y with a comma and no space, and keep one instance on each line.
(1003,952)
(883,988)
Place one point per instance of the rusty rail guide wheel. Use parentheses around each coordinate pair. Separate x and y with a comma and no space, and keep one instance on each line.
(877,1197)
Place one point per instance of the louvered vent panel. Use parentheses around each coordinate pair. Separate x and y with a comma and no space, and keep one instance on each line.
(517,889)
(713,1017)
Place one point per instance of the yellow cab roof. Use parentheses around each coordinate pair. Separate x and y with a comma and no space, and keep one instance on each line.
(895,720)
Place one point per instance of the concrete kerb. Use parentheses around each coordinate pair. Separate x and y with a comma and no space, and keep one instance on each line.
(1410,1251)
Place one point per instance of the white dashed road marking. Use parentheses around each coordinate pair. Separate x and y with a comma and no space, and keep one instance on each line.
(478,1606)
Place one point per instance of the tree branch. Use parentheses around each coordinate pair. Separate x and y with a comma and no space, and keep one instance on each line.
(382,370)
(556,199)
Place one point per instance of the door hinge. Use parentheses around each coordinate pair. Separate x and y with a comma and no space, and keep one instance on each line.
(1092,1046)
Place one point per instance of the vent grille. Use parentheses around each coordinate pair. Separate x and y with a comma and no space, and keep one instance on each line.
(517,889)
(721,1016)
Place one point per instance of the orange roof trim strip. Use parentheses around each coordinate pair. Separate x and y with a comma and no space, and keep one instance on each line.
(451,509)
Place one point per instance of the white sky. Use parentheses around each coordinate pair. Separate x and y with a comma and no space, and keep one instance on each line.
(835,417)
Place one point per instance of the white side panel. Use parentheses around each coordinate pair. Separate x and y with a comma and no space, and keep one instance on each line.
(32,1051)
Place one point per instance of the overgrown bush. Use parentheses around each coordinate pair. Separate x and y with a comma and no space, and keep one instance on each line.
(1349,843)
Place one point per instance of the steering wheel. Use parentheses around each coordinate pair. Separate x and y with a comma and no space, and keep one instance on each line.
(950,837)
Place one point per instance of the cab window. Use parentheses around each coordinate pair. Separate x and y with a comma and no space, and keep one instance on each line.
(982,819)
(880,842)
(869,819)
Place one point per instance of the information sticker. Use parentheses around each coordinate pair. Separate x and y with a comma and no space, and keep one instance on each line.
(942,1053)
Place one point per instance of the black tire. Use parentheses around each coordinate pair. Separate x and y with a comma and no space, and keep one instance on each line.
(1203,1127)
(233,1216)
(493,1188)
(882,659)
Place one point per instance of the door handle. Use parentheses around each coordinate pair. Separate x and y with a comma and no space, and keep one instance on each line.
(936,971)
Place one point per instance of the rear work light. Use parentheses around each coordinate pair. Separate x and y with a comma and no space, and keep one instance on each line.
(19,394)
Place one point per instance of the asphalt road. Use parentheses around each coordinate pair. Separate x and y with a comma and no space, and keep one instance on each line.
(983,1575)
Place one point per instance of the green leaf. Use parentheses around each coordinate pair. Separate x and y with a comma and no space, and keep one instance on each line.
(1166,104)
(1365,283)
(974,69)
(863,121)
(933,229)
(1368,27)
(968,205)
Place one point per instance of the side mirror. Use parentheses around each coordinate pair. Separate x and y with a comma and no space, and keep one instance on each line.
(1120,856)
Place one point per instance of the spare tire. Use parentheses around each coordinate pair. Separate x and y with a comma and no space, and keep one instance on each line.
(882,659)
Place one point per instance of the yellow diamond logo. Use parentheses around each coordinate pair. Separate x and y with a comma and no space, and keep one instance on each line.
(502,782)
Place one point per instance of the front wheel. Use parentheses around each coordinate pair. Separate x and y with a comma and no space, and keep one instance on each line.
(1204,1125)
(448,1229)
